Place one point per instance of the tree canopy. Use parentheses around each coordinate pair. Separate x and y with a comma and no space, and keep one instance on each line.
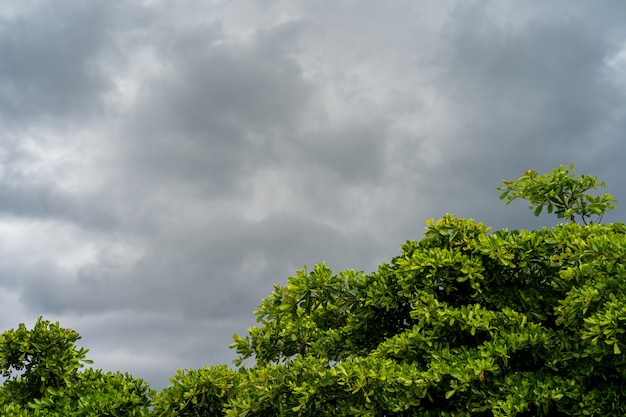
(44,378)
(462,322)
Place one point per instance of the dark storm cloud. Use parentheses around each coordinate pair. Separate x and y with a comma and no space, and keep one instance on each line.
(217,270)
(217,112)
(53,81)
(43,200)
(543,77)
(355,152)
(516,89)
(50,61)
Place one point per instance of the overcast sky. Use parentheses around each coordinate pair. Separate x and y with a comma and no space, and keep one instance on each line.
(164,163)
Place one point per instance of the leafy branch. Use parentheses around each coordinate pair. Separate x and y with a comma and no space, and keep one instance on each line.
(560,192)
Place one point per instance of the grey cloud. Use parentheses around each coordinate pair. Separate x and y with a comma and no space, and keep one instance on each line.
(45,201)
(515,89)
(217,113)
(543,77)
(162,342)
(355,152)
(215,270)
(49,65)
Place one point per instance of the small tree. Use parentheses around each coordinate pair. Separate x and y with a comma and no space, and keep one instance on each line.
(44,377)
(202,392)
(464,322)
(38,359)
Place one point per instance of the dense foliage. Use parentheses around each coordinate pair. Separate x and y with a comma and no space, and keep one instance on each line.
(42,366)
(460,323)
(464,322)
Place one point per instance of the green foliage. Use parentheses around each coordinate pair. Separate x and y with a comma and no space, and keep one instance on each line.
(461,323)
(202,392)
(559,191)
(42,367)
(42,357)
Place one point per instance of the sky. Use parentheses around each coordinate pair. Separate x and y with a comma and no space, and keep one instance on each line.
(164,163)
